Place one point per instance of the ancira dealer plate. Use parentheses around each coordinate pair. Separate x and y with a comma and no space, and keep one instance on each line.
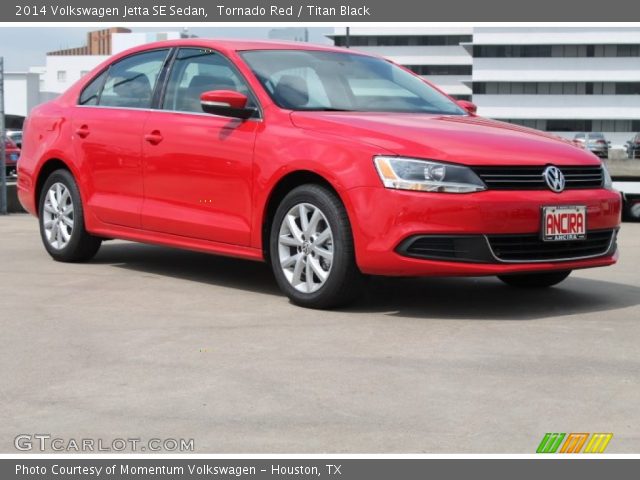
(562,223)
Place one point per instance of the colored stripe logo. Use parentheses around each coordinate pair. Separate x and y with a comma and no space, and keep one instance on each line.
(573,442)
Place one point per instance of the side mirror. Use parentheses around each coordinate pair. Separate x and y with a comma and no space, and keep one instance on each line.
(227,103)
(470,107)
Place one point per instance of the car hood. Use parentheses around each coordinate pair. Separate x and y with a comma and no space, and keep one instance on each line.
(463,139)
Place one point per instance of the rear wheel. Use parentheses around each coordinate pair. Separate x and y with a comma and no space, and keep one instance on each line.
(311,249)
(61,220)
(535,280)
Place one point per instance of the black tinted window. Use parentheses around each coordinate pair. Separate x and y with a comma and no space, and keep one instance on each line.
(131,81)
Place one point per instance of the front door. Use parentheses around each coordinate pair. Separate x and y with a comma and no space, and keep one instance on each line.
(198,167)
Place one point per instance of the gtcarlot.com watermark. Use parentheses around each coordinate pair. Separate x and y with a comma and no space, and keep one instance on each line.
(45,442)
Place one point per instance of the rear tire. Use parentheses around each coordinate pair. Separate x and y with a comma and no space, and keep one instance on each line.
(535,280)
(61,219)
(311,249)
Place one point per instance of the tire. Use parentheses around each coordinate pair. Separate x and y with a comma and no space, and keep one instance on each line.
(535,280)
(315,267)
(61,219)
(632,210)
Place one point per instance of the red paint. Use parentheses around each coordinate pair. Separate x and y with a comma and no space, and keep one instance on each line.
(203,182)
(228,97)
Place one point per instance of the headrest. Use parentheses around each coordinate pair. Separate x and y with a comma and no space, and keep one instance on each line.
(292,91)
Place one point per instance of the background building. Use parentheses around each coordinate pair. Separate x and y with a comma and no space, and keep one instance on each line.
(558,79)
(293,34)
(563,80)
(98,43)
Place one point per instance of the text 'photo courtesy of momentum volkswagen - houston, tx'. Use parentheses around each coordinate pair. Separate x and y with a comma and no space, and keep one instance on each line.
(328,164)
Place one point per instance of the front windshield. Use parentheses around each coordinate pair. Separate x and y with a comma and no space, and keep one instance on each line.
(336,81)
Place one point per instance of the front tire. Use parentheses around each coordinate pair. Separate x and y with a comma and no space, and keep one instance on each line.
(535,280)
(311,249)
(61,219)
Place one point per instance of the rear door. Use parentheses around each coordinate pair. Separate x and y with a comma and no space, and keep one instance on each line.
(198,167)
(107,135)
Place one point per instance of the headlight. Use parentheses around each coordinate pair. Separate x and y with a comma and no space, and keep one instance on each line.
(606,178)
(427,176)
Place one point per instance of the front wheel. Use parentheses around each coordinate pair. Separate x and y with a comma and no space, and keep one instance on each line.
(311,249)
(535,280)
(61,219)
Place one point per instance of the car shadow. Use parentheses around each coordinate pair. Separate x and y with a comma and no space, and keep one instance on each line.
(487,298)
(445,298)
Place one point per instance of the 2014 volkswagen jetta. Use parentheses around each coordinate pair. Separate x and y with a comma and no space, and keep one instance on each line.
(328,164)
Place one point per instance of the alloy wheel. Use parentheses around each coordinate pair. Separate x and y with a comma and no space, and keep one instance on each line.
(305,247)
(57,216)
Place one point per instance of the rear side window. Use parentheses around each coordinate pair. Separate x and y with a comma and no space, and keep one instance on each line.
(91,92)
(128,84)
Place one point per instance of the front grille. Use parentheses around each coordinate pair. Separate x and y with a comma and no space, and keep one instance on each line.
(531,248)
(530,178)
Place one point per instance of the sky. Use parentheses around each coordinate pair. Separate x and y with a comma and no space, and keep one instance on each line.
(23,47)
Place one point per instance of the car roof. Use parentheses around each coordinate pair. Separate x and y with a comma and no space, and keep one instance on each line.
(227,45)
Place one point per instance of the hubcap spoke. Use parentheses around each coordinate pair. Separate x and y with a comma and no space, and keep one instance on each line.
(293,228)
(289,241)
(323,237)
(305,247)
(315,265)
(297,271)
(324,252)
(313,223)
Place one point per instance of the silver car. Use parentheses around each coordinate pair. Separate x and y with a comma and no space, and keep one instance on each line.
(596,143)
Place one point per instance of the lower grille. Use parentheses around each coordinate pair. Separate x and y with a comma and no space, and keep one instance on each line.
(530,248)
(530,178)
(513,248)
(460,248)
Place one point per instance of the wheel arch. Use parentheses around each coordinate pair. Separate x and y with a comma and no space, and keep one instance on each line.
(280,189)
(48,167)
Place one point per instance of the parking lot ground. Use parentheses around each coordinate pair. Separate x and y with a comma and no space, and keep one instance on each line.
(149,342)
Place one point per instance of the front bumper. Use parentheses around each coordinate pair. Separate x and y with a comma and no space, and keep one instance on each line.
(384,221)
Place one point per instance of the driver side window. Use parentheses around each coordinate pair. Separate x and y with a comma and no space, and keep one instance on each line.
(197,70)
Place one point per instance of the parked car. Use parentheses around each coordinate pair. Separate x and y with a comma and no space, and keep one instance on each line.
(12,155)
(596,143)
(633,147)
(326,163)
(16,136)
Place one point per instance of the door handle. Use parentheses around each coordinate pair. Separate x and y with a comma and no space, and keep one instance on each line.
(83,131)
(154,137)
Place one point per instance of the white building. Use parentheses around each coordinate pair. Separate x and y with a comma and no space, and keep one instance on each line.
(432,52)
(22,92)
(62,71)
(559,79)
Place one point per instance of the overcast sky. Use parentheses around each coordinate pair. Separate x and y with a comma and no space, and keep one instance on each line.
(23,47)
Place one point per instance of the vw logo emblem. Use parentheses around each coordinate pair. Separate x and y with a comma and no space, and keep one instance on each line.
(554,178)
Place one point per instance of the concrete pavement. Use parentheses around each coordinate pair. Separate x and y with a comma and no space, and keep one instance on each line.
(152,342)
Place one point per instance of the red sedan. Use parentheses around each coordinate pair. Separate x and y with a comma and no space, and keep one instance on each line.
(326,163)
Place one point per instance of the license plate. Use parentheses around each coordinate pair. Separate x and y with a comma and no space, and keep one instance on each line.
(564,223)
